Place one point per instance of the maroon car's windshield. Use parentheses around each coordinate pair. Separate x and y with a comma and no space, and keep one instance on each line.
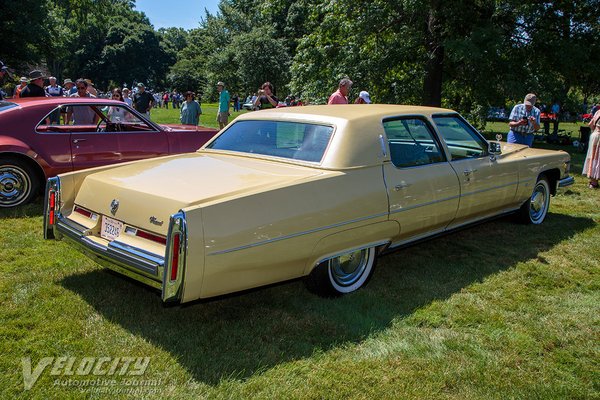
(6,105)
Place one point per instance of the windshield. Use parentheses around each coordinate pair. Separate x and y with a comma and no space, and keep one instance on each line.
(5,105)
(293,140)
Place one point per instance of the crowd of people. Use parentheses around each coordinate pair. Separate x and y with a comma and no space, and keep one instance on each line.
(524,119)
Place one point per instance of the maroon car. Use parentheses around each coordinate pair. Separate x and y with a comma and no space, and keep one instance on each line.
(43,137)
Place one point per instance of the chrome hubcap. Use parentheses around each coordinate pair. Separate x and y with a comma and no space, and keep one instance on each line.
(14,185)
(537,205)
(348,268)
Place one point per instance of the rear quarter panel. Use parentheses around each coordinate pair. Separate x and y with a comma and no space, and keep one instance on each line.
(271,236)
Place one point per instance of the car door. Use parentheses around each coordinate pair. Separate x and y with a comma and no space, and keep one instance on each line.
(423,188)
(488,185)
(115,139)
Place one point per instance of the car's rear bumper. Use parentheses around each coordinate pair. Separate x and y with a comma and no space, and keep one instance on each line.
(130,261)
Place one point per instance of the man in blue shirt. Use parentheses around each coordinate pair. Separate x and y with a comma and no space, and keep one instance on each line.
(524,120)
(223,114)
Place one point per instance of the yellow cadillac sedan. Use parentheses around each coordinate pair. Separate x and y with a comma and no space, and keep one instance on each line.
(316,192)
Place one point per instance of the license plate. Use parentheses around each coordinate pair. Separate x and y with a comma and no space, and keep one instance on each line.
(111,228)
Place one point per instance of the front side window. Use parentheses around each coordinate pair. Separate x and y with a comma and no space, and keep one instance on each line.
(92,118)
(293,140)
(411,142)
(461,139)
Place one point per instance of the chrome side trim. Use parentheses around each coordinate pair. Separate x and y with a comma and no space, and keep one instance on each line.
(425,204)
(568,181)
(293,235)
(492,188)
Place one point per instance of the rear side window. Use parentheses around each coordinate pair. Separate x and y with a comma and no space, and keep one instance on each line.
(411,142)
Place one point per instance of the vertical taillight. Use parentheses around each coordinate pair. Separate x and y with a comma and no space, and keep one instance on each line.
(51,206)
(176,244)
(175,259)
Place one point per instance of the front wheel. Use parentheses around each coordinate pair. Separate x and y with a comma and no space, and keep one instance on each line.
(18,182)
(342,274)
(534,210)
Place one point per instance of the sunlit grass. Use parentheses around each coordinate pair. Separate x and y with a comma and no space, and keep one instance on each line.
(497,311)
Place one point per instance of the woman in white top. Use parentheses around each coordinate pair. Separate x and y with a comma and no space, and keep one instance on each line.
(117,114)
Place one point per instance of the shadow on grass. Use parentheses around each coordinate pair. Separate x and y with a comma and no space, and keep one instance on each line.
(242,335)
(33,209)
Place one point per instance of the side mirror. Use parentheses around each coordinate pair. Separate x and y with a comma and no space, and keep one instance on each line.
(494,149)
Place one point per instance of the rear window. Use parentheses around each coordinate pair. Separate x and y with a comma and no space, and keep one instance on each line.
(6,105)
(293,140)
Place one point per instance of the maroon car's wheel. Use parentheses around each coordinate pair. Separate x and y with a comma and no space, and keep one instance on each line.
(18,182)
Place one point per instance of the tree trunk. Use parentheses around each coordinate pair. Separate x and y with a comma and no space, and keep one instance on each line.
(432,83)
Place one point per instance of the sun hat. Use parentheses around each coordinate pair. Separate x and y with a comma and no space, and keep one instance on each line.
(36,74)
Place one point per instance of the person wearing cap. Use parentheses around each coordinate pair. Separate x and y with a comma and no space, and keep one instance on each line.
(363,98)
(69,87)
(190,110)
(340,96)
(35,87)
(524,120)
(223,113)
(3,73)
(54,89)
(126,97)
(20,87)
(142,100)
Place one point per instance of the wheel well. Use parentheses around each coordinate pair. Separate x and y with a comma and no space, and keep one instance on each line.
(39,172)
(553,176)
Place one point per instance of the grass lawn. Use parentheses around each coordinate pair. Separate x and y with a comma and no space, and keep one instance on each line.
(208,117)
(497,311)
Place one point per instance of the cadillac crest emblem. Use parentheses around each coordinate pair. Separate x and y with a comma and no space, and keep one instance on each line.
(114,206)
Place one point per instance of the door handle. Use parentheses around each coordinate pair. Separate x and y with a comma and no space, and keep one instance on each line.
(400,186)
(78,140)
(468,172)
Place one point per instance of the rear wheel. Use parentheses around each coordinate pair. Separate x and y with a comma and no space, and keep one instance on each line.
(534,210)
(342,274)
(18,182)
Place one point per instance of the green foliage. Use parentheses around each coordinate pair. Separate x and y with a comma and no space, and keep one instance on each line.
(462,55)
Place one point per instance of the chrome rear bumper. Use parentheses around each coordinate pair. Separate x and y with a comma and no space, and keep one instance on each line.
(133,262)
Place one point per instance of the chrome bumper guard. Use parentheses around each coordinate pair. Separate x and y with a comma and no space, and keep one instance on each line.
(568,181)
(133,262)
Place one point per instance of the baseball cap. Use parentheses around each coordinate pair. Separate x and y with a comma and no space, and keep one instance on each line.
(365,96)
(530,99)
(141,85)
(220,83)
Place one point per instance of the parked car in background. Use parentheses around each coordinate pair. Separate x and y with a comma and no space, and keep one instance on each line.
(315,192)
(497,114)
(37,141)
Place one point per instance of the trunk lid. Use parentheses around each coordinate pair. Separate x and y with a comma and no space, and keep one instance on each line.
(155,189)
